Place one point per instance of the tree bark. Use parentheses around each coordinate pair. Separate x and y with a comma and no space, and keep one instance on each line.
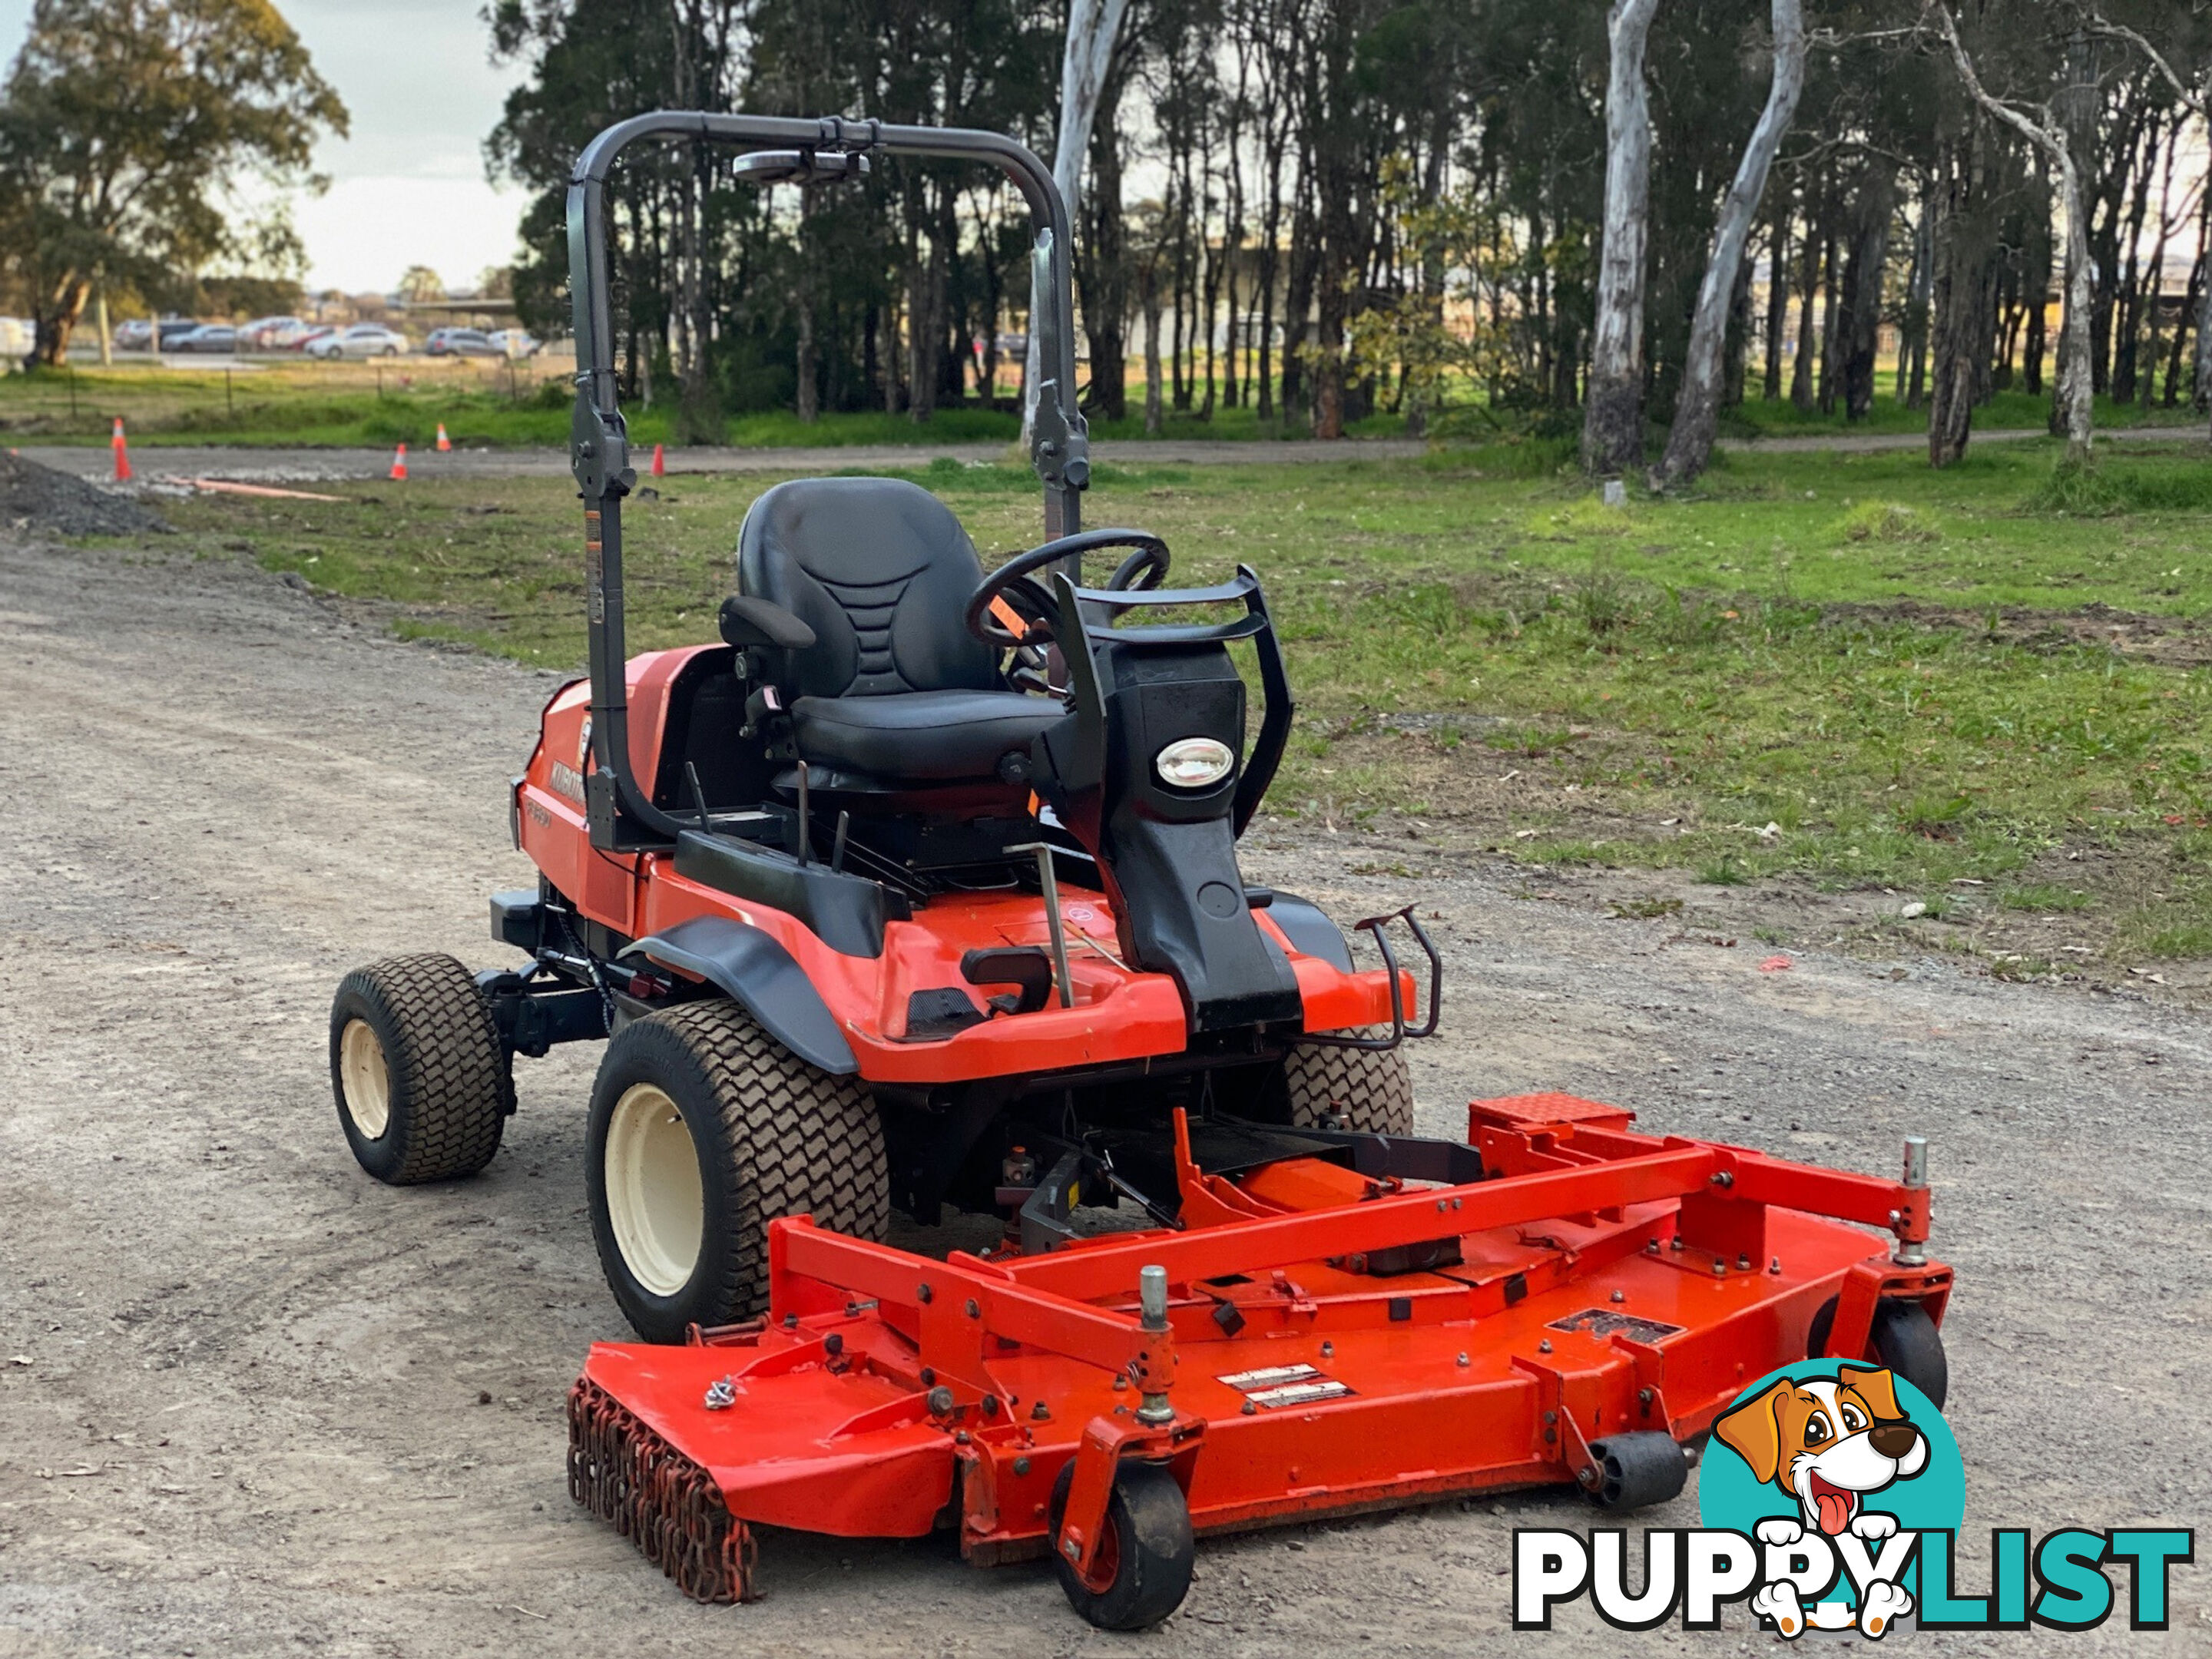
(1612,409)
(1912,342)
(1831,303)
(1101,266)
(1778,297)
(1808,294)
(2049,136)
(1959,297)
(1860,324)
(1154,416)
(1697,407)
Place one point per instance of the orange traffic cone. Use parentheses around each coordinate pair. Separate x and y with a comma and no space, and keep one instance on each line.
(444,442)
(122,453)
(400,464)
(659,462)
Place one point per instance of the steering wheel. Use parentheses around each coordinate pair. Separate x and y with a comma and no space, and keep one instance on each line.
(1036,604)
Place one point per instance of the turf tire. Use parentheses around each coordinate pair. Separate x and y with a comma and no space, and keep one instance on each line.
(1152,1548)
(447,1085)
(773,1135)
(1356,1089)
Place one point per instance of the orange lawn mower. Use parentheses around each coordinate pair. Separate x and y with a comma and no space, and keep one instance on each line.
(920,888)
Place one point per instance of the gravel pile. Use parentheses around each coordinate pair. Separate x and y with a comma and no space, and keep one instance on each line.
(41,502)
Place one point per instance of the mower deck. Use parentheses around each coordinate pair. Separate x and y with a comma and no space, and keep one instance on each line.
(1322,1351)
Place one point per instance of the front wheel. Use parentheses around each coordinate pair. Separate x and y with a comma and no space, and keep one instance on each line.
(703,1129)
(1143,1568)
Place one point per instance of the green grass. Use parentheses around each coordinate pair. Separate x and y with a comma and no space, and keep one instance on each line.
(2045,897)
(403,400)
(2006,411)
(1473,640)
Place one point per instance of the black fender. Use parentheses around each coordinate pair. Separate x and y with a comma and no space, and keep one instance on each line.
(1309,930)
(754,969)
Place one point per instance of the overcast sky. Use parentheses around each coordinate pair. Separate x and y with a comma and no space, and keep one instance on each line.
(408,188)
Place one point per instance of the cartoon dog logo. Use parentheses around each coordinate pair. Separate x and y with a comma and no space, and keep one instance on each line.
(1828,1444)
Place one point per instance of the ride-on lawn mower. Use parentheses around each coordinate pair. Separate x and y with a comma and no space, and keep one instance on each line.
(921,889)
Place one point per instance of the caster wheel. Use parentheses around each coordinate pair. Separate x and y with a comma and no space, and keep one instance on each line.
(1143,1569)
(1904,1339)
(1635,1471)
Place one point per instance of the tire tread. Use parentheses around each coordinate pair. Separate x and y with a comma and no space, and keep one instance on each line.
(811,1141)
(1367,1091)
(445,1063)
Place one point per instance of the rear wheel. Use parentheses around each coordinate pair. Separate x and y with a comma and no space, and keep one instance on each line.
(1142,1571)
(1357,1089)
(703,1129)
(422,1079)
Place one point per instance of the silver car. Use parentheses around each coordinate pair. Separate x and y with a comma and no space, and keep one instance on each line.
(361,340)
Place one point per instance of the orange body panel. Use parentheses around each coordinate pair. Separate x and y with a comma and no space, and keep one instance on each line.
(1583,1306)
(1119,1015)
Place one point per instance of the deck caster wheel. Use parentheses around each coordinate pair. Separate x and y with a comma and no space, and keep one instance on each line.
(1904,1339)
(1143,1570)
(1634,1471)
(703,1129)
(1368,1091)
(423,1081)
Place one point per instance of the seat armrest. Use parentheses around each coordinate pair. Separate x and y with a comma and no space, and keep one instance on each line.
(747,621)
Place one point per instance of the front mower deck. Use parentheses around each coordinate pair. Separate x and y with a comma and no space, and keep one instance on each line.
(1331,1342)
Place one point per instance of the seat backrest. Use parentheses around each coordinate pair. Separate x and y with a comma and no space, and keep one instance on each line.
(882,571)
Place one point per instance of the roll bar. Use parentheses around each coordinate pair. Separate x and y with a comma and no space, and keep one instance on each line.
(598,441)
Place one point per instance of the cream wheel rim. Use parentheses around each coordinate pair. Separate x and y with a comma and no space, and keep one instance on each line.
(367,1080)
(656,1203)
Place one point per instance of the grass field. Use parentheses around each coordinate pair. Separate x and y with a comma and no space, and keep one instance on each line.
(281,401)
(403,400)
(1843,671)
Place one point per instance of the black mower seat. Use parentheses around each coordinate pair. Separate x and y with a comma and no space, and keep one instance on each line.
(894,686)
(926,736)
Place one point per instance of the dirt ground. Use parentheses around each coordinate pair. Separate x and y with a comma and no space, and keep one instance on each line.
(251,1402)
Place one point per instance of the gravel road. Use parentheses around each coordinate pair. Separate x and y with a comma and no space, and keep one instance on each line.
(254,1403)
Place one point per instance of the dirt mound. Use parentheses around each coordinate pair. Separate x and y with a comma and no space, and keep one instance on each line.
(43,503)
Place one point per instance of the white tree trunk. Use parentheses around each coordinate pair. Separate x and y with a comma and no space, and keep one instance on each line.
(1613,414)
(2203,390)
(2074,374)
(1697,410)
(2049,135)
(1092,26)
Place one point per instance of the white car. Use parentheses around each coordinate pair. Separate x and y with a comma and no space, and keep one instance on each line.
(361,340)
(515,343)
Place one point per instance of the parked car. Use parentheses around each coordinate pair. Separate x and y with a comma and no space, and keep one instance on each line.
(459,343)
(133,335)
(300,338)
(259,335)
(208,336)
(174,328)
(515,343)
(361,340)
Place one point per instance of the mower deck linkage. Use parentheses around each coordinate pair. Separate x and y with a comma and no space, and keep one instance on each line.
(1323,1334)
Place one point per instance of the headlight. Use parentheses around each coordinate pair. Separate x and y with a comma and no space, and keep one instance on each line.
(1194,762)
